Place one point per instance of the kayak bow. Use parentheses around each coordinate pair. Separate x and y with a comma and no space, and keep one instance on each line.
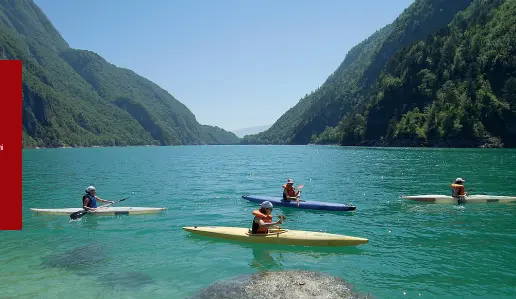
(282,236)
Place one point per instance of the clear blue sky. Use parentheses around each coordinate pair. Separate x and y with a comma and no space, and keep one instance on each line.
(233,63)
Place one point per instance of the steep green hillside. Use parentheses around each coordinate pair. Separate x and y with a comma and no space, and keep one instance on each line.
(74,97)
(348,87)
(456,88)
(323,106)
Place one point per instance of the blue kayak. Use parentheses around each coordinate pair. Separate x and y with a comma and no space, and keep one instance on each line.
(311,205)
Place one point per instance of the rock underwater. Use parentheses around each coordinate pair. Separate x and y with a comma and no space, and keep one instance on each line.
(281,284)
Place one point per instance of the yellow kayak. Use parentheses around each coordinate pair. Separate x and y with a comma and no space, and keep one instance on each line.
(277,236)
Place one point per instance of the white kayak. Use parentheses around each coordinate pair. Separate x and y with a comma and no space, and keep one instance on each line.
(107,211)
(467,199)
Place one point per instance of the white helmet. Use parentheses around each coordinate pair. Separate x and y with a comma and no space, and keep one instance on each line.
(90,188)
(266,205)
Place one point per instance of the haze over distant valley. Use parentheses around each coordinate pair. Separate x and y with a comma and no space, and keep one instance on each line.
(249,131)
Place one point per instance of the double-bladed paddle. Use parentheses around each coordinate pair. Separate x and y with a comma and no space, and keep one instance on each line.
(79,214)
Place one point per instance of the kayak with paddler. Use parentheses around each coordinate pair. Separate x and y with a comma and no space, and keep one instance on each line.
(265,230)
(460,196)
(291,198)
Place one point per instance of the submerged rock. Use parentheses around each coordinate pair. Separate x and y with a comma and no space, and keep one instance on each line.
(127,280)
(281,284)
(84,256)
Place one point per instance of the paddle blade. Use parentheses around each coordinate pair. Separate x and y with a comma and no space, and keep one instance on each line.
(77,215)
(300,186)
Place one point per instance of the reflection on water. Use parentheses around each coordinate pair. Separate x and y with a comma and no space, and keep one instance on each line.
(86,222)
(263,261)
(262,254)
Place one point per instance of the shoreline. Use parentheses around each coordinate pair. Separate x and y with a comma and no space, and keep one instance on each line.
(362,145)
(441,143)
(113,146)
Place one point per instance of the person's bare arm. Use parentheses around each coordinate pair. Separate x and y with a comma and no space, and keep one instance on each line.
(269,224)
(103,200)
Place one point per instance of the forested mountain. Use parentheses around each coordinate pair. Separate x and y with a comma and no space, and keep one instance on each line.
(442,74)
(455,88)
(75,98)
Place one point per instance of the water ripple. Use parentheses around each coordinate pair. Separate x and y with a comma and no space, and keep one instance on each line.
(442,251)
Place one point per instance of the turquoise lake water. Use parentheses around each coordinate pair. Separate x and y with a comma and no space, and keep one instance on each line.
(414,250)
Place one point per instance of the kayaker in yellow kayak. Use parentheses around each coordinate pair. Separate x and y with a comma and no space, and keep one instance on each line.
(263,219)
(89,200)
(458,188)
(289,192)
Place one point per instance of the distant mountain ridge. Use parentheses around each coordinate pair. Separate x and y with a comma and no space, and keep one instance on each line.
(250,130)
(75,97)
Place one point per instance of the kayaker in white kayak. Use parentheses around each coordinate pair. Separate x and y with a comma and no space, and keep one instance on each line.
(458,190)
(289,192)
(263,219)
(89,200)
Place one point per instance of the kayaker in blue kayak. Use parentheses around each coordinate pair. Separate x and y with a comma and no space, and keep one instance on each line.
(289,192)
(89,200)
(263,219)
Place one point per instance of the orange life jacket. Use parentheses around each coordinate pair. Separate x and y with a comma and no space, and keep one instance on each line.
(458,190)
(291,191)
(256,228)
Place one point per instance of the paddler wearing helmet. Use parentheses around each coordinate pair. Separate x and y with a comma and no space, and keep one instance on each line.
(458,188)
(263,219)
(89,200)
(289,191)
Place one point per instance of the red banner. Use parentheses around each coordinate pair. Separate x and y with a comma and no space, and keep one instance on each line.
(11,144)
